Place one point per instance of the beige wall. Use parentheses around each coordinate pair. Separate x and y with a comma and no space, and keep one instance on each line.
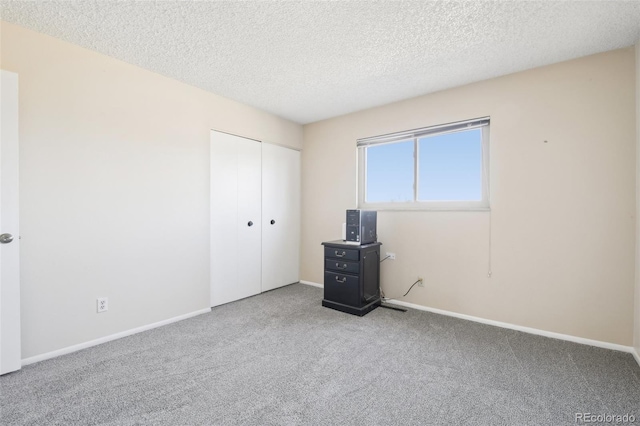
(562,212)
(637,293)
(114,171)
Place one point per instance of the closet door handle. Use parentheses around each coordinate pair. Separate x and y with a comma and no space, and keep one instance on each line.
(272,222)
(250,223)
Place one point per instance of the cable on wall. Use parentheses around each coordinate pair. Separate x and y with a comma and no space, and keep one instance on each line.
(385,299)
(412,285)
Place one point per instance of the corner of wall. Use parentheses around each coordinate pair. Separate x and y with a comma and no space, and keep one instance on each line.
(636,322)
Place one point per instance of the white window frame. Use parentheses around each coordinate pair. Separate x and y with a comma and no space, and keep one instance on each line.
(415,135)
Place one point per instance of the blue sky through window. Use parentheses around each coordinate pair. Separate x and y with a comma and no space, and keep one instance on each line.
(390,172)
(450,169)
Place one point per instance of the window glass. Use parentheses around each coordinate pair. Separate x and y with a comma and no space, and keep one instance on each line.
(441,167)
(390,172)
(450,167)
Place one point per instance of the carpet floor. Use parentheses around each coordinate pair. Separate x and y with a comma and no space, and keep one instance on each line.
(279,358)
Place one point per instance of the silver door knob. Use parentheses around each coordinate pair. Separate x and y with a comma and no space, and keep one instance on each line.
(6,238)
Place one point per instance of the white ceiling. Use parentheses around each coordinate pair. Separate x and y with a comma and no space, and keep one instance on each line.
(307,61)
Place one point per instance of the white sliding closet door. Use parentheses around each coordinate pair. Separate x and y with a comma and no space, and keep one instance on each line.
(235,217)
(10,352)
(280,216)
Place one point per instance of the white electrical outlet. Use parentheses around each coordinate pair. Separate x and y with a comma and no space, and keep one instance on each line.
(391,256)
(420,282)
(103,304)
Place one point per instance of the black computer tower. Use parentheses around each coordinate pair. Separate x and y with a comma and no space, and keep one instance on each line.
(361,226)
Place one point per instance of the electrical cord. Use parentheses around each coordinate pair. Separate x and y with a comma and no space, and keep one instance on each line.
(412,285)
(384,298)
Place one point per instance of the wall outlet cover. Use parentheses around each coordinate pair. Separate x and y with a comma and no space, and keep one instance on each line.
(103,304)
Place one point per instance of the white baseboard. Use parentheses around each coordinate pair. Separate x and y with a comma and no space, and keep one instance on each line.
(567,337)
(105,339)
(311,283)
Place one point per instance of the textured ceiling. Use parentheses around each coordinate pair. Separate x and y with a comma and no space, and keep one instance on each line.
(307,61)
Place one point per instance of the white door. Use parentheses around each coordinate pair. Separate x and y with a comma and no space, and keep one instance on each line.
(9,242)
(235,217)
(280,216)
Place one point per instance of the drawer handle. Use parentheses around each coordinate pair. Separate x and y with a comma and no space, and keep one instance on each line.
(344,266)
(338,254)
(342,280)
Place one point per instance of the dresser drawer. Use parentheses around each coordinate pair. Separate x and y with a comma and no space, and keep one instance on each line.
(341,288)
(340,265)
(342,253)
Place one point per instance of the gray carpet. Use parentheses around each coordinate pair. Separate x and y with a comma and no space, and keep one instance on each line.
(281,359)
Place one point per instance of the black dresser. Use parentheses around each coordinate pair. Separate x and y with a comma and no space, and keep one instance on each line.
(351,277)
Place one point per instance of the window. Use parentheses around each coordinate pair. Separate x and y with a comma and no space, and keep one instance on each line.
(435,168)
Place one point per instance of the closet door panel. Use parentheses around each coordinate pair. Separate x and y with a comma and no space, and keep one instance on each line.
(235,178)
(280,216)
(249,217)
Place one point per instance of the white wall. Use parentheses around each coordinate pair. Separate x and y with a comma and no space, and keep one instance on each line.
(114,175)
(562,212)
(636,341)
